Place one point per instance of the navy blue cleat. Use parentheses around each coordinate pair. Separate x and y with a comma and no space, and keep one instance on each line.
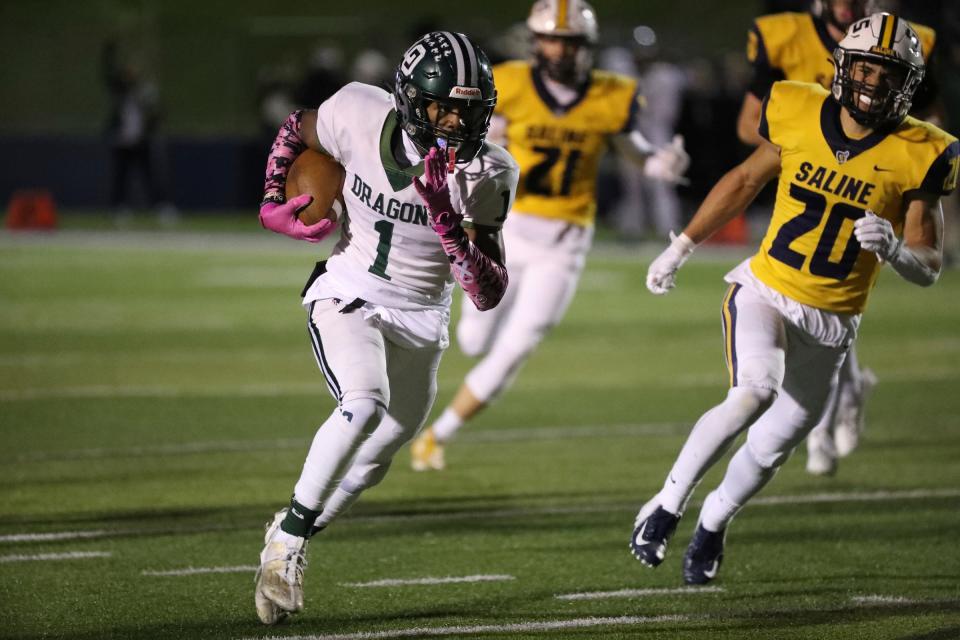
(704,555)
(654,527)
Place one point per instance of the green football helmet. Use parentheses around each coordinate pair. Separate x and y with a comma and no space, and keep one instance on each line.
(450,70)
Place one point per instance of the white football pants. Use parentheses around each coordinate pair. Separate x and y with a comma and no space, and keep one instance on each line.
(780,379)
(545,259)
(384,393)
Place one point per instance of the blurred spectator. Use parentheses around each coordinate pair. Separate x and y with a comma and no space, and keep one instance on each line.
(646,203)
(132,133)
(324,77)
(372,67)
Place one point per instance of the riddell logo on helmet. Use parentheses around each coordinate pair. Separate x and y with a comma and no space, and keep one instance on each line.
(465,92)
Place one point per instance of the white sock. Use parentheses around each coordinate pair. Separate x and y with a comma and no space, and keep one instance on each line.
(447,425)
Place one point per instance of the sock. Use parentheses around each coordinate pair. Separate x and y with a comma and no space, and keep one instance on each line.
(299,519)
(447,425)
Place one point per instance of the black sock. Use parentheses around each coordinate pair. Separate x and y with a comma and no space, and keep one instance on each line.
(299,520)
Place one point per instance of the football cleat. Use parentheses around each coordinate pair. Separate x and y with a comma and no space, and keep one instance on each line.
(704,555)
(851,414)
(279,580)
(653,528)
(426,453)
(821,454)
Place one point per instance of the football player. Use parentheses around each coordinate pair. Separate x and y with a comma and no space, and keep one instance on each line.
(859,186)
(798,46)
(425,198)
(557,114)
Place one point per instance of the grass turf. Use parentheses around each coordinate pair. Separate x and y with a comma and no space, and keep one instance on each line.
(157,389)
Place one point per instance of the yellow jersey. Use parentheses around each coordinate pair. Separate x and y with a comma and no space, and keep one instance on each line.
(797,46)
(558,147)
(827,181)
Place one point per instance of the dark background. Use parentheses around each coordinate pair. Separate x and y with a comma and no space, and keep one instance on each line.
(214,62)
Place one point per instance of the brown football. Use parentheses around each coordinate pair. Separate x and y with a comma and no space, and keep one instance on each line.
(322,177)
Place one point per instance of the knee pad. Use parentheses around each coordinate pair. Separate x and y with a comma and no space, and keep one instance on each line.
(363,414)
(749,402)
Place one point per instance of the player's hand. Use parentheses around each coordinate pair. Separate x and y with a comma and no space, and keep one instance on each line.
(662,274)
(876,234)
(436,194)
(668,163)
(282,218)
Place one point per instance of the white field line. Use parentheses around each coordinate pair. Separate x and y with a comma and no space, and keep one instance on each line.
(401,582)
(637,593)
(819,498)
(43,557)
(689,381)
(230,446)
(192,571)
(519,627)
(881,600)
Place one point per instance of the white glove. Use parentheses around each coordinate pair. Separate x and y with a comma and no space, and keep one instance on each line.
(876,234)
(662,274)
(668,163)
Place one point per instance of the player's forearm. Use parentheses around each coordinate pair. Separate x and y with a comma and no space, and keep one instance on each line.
(286,147)
(920,265)
(728,198)
(483,279)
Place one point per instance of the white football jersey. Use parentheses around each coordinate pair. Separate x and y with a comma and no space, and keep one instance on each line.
(387,253)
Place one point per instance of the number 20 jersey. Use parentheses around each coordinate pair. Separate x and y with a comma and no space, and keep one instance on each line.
(558,147)
(387,253)
(828,181)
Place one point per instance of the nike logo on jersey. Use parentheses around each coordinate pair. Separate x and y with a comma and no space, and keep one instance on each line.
(834,182)
(876,168)
(388,207)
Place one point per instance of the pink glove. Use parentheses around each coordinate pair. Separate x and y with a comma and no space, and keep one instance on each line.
(436,194)
(282,218)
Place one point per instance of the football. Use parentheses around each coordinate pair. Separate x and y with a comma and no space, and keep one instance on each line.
(320,176)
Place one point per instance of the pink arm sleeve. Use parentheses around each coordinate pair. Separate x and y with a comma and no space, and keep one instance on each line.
(483,279)
(287,146)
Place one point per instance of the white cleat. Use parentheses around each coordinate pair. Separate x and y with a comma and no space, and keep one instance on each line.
(821,454)
(851,415)
(279,580)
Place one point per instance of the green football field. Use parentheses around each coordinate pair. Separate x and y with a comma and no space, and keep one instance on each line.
(158,395)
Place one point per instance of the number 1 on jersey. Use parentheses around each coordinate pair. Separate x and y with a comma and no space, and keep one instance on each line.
(379,266)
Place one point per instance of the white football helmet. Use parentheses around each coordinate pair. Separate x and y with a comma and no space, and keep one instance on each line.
(886,40)
(564,18)
(570,19)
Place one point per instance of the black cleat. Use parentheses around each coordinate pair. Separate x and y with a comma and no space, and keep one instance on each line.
(704,555)
(649,541)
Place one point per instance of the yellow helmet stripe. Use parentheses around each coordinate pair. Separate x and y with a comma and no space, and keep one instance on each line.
(562,14)
(888,30)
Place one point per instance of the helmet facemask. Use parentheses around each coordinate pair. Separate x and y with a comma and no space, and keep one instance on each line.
(571,67)
(426,132)
(875,89)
